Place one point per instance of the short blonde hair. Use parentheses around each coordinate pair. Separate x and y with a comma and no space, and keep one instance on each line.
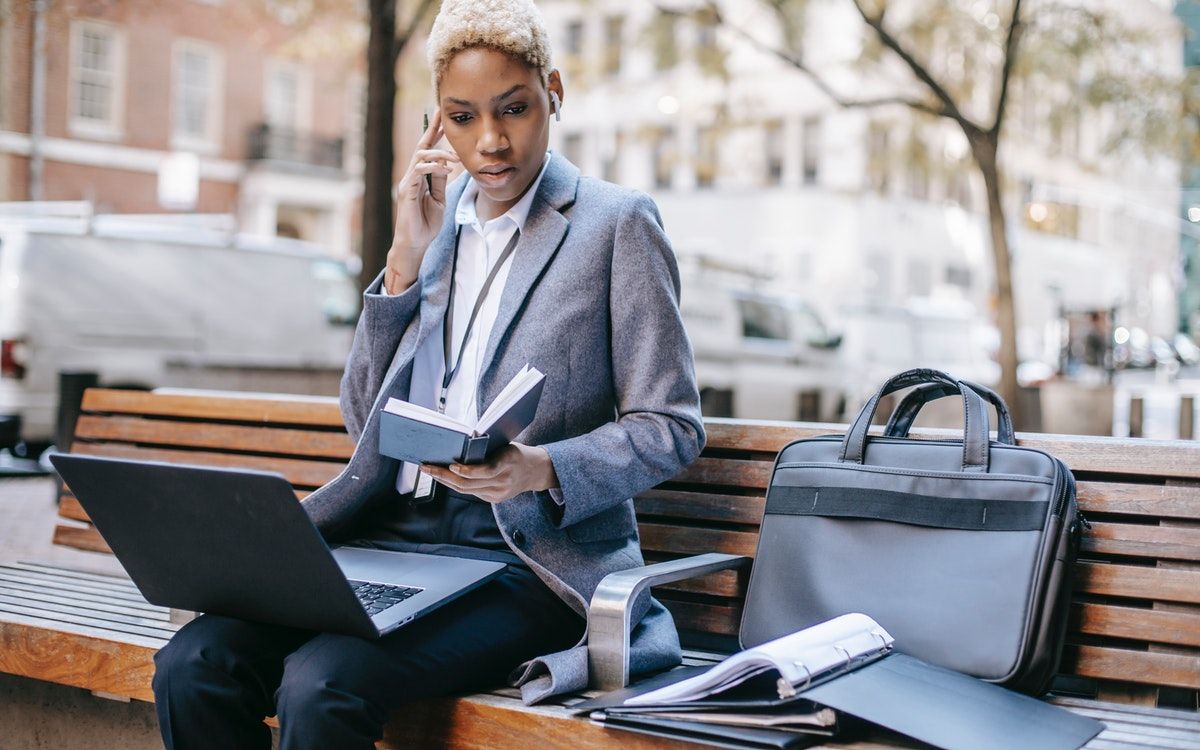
(514,27)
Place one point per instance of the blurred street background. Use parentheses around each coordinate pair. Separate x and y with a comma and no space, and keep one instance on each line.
(194,192)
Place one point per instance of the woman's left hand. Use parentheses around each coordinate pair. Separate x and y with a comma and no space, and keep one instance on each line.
(516,468)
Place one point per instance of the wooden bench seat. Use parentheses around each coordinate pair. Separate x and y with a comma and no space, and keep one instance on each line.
(1134,636)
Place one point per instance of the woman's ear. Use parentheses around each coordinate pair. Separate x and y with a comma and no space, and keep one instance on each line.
(555,89)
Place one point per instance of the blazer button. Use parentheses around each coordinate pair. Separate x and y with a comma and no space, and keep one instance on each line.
(519,538)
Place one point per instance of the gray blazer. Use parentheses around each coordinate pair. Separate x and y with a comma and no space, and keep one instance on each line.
(592,300)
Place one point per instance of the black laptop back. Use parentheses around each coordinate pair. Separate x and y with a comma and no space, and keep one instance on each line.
(212,540)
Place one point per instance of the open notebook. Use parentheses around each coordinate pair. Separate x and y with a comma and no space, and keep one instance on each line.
(419,435)
(801,659)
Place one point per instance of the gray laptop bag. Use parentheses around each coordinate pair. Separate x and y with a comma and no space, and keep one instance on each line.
(960,549)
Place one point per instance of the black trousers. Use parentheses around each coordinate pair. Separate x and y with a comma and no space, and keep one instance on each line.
(218,678)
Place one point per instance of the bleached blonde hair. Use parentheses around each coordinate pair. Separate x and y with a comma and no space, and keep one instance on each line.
(514,27)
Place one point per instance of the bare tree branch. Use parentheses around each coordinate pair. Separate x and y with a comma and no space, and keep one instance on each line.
(413,24)
(949,106)
(798,63)
(1010,56)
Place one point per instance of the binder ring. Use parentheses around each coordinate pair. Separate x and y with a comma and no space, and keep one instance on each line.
(807,675)
(882,641)
(844,653)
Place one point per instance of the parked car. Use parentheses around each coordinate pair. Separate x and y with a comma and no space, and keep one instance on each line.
(153,301)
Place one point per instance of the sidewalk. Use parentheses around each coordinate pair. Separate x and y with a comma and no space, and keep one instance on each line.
(37,715)
(28,515)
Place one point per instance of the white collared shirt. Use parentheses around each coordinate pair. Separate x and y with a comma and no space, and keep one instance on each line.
(479,247)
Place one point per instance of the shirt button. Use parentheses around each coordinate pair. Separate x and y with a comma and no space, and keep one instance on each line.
(519,538)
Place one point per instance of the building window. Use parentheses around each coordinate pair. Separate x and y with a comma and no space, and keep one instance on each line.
(356,124)
(706,156)
(666,47)
(879,157)
(283,91)
(613,26)
(98,55)
(573,148)
(573,41)
(662,152)
(773,156)
(959,276)
(812,133)
(611,163)
(196,119)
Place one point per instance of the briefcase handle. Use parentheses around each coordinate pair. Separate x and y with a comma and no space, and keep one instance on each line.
(905,414)
(975,418)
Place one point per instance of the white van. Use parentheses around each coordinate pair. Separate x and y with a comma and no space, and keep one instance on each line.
(149,301)
(759,355)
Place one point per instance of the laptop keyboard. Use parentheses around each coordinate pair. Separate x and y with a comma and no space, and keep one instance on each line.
(376,597)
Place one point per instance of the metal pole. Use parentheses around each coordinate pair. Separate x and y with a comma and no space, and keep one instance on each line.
(71,386)
(1137,411)
(37,100)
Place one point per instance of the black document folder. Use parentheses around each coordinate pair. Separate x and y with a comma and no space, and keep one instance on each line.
(951,710)
(937,706)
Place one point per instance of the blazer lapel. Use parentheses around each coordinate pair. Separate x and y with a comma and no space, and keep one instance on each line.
(544,232)
(435,277)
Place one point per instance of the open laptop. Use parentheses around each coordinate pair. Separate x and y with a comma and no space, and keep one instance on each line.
(236,542)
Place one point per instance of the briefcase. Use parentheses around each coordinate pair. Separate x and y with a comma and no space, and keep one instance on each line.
(961,549)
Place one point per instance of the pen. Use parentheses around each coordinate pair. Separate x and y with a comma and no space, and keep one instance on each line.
(428,176)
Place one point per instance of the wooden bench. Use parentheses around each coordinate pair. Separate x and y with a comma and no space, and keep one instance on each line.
(1133,657)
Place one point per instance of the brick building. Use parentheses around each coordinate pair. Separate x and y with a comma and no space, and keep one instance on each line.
(126,88)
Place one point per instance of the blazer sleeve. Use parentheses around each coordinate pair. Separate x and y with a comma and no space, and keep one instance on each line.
(658,430)
(382,323)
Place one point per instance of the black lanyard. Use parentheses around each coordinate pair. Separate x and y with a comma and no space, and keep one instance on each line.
(447,321)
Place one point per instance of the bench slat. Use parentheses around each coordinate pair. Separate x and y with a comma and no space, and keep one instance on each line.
(708,618)
(229,405)
(1155,500)
(89,602)
(32,647)
(1143,667)
(56,614)
(726,471)
(1159,584)
(296,471)
(701,506)
(80,538)
(1152,625)
(47,580)
(1141,457)
(1145,541)
(657,537)
(222,437)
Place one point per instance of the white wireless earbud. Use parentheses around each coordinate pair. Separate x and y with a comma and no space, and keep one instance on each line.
(557,106)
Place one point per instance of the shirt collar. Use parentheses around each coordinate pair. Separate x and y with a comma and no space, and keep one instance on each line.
(465,211)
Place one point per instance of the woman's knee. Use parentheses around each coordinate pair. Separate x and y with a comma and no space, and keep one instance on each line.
(206,647)
(326,679)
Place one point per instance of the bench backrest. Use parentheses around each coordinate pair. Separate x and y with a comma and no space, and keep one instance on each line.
(1135,624)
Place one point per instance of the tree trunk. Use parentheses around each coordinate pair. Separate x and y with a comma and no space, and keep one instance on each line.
(984,148)
(378,147)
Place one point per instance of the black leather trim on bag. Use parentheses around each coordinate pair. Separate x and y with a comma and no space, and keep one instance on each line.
(902,507)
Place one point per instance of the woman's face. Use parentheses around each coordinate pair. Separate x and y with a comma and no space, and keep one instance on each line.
(495,112)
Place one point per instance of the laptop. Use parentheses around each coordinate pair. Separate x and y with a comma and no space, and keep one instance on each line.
(236,542)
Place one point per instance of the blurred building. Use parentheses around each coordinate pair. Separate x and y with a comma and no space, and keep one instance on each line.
(181,105)
(863,208)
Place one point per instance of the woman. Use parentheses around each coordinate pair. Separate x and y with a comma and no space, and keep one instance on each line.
(585,288)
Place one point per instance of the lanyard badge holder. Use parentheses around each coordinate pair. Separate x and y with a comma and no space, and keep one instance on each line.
(428,489)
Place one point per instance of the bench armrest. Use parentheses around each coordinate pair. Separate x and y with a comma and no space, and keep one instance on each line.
(608,615)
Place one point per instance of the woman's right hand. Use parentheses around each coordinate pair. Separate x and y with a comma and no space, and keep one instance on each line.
(419,209)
